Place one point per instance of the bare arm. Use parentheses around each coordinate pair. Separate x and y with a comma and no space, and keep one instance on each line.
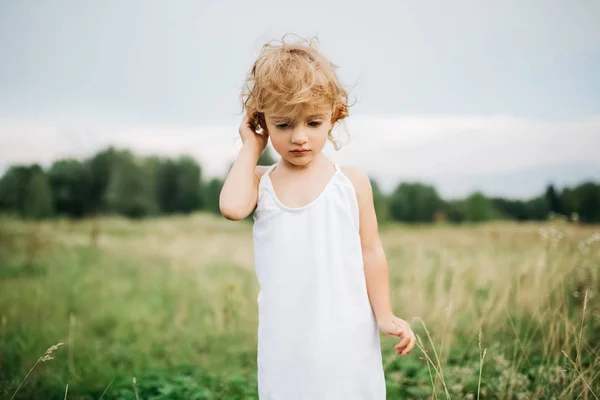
(376,266)
(240,190)
(375,262)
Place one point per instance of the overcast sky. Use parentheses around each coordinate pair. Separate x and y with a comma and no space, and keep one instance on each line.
(499,96)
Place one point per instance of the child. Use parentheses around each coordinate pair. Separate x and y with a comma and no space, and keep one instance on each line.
(321,268)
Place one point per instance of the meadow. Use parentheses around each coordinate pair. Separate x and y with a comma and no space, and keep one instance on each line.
(165,308)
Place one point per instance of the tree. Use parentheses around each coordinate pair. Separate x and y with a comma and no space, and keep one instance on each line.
(166,186)
(189,175)
(454,210)
(24,190)
(212,192)
(510,209)
(414,202)
(70,181)
(381,202)
(38,195)
(569,201)
(101,166)
(588,196)
(130,189)
(178,185)
(553,200)
(479,208)
(13,188)
(537,208)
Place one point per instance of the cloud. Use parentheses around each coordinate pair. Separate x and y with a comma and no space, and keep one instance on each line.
(187,63)
(434,146)
(443,150)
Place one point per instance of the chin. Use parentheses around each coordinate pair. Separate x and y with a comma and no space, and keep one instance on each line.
(299,161)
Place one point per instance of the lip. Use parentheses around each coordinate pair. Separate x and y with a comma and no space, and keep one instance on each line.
(299,152)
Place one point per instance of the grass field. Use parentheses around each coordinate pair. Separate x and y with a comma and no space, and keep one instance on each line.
(166,309)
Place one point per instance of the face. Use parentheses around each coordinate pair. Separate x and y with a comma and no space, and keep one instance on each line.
(299,141)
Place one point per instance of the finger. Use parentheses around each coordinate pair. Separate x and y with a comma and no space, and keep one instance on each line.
(410,346)
(247,120)
(251,124)
(246,123)
(403,343)
(410,338)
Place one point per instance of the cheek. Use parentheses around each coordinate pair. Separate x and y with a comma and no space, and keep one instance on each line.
(320,136)
(278,141)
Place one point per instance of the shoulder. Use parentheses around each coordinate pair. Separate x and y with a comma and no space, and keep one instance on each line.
(360,180)
(260,171)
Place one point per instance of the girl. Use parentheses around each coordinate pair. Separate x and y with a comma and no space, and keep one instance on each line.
(321,268)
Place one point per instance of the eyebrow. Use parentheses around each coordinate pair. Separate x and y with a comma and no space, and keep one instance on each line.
(280,119)
(285,119)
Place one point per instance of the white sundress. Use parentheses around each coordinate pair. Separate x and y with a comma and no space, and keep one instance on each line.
(317,334)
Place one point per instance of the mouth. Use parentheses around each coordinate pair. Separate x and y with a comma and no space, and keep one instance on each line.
(300,152)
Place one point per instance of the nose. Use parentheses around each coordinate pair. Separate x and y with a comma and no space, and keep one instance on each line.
(298,136)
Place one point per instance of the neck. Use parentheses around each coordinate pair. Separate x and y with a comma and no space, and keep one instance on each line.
(319,160)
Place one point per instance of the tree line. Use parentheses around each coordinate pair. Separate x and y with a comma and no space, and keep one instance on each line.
(115,181)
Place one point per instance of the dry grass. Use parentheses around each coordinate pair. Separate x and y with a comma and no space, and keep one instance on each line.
(502,310)
(47,356)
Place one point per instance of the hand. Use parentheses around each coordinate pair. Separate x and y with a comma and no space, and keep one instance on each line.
(250,138)
(398,327)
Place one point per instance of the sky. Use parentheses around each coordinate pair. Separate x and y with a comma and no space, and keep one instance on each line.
(502,97)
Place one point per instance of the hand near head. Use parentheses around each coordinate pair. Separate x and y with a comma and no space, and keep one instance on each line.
(250,138)
(398,327)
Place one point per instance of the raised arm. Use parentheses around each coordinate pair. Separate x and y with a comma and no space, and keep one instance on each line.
(240,190)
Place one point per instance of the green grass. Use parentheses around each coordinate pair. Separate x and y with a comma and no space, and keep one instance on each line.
(172,302)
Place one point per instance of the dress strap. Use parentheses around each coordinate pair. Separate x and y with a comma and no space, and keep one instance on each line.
(337,167)
(267,175)
(270,169)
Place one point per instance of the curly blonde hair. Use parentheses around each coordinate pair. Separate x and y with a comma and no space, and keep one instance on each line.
(287,77)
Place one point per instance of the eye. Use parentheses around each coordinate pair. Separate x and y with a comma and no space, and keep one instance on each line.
(282,126)
(314,124)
